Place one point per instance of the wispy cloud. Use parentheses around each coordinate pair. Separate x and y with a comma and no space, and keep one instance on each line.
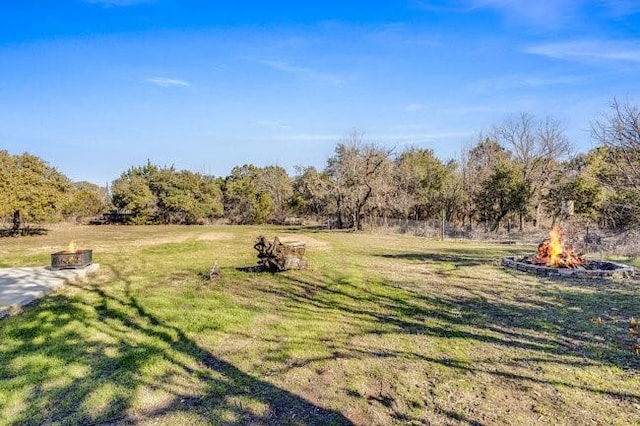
(272,124)
(399,34)
(168,82)
(400,138)
(589,51)
(414,107)
(535,14)
(441,6)
(508,82)
(311,137)
(522,8)
(304,72)
(416,138)
(621,7)
(117,3)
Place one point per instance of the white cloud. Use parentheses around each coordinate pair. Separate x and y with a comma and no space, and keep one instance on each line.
(311,137)
(283,66)
(411,138)
(414,107)
(168,82)
(518,81)
(556,9)
(621,7)
(117,3)
(273,124)
(404,35)
(401,138)
(303,72)
(522,8)
(589,51)
(542,14)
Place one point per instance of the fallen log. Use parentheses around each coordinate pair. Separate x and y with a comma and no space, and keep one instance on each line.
(277,256)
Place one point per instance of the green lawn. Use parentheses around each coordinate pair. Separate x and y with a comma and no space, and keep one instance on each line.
(381,329)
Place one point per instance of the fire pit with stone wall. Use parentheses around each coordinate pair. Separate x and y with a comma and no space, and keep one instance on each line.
(556,259)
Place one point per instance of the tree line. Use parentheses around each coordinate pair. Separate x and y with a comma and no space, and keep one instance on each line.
(520,173)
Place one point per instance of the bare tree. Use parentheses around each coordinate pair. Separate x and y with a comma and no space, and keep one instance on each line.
(275,181)
(310,192)
(620,132)
(536,145)
(356,175)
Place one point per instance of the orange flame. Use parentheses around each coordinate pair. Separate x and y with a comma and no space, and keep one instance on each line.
(555,248)
(71,248)
(553,252)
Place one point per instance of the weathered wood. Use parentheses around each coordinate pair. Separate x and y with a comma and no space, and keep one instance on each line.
(278,256)
(214,272)
(17,221)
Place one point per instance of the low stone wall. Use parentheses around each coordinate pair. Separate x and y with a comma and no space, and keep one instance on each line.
(600,269)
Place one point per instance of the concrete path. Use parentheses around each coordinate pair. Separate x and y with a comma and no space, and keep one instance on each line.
(21,286)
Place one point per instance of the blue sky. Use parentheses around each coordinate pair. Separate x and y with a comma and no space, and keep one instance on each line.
(96,86)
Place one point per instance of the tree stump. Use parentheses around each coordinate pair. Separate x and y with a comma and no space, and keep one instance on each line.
(277,256)
(17,221)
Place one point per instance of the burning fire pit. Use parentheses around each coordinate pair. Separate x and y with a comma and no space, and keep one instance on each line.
(71,258)
(555,259)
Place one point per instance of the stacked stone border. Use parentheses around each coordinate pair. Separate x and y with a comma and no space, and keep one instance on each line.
(613,270)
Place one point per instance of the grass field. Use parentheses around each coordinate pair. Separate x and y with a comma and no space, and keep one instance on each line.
(381,329)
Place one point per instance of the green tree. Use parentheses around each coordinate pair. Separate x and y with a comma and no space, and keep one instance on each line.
(131,194)
(275,189)
(31,186)
(502,193)
(310,195)
(579,180)
(187,197)
(479,163)
(420,181)
(155,194)
(245,202)
(85,199)
(8,185)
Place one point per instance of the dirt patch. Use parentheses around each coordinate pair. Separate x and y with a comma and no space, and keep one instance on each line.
(115,247)
(215,236)
(310,242)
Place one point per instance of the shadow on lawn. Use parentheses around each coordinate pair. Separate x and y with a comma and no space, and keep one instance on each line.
(199,384)
(553,323)
(458,257)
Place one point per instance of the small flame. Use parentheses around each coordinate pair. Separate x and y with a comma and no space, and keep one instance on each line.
(71,248)
(552,252)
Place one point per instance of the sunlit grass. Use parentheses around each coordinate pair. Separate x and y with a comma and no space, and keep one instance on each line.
(381,329)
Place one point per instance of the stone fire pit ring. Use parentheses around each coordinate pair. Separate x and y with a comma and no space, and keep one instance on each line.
(593,269)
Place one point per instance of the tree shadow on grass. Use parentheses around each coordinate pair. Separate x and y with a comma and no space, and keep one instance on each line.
(525,334)
(457,259)
(111,361)
(457,256)
(25,231)
(556,326)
